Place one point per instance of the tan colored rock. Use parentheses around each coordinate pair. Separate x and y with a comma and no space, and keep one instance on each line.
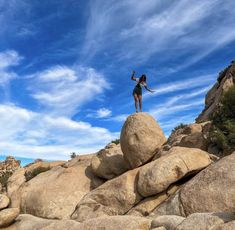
(117,223)
(212,190)
(159,228)
(13,186)
(214,96)
(198,221)
(7,216)
(227,226)
(156,176)
(195,140)
(171,206)
(54,194)
(109,162)
(146,206)
(170,222)
(41,165)
(29,222)
(114,197)
(191,136)
(4,201)
(141,136)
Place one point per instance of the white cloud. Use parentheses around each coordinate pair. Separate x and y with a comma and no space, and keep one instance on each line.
(8,59)
(100,113)
(63,90)
(170,29)
(30,134)
(185,84)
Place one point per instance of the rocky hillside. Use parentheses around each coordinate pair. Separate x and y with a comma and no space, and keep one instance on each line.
(146,182)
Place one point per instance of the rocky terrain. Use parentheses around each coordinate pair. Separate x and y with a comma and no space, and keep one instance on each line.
(146,182)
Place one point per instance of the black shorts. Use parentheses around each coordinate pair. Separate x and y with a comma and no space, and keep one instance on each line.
(137,91)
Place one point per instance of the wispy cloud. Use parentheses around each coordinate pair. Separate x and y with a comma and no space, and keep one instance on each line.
(63,90)
(34,135)
(190,83)
(171,29)
(100,113)
(8,59)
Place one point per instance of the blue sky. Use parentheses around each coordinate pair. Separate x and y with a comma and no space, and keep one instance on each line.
(65,68)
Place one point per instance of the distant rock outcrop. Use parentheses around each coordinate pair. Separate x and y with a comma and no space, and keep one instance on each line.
(213,98)
(7,168)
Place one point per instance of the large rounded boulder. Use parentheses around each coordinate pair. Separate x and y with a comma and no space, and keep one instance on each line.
(109,162)
(156,176)
(141,136)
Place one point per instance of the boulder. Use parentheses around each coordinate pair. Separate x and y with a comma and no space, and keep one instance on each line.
(170,222)
(29,222)
(147,205)
(225,81)
(116,223)
(7,216)
(191,136)
(54,194)
(159,228)
(4,201)
(197,136)
(171,206)
(13,186)
(141,136)
(212,190)
(198,221)
(109,162)
(227,226)
(114,197)
(157,175)
(40,166)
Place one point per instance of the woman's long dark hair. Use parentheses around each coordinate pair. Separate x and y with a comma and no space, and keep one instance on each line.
(143,78)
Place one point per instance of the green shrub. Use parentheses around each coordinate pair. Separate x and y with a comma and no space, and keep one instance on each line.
(117,141)
(180,126)
(223,123)
(73,155)
(35,172)
(4,178)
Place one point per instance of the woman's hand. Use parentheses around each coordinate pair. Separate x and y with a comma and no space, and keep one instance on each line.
(133,72)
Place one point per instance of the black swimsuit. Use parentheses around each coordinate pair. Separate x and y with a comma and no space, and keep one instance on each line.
(137,90)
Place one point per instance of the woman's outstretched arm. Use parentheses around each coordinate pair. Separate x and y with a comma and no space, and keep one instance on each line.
(132,76)
(150,90)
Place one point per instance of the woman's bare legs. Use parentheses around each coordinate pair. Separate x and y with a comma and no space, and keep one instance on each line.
(140,102)
(136,102)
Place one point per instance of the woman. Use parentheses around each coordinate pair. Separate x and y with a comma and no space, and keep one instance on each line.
(137,92)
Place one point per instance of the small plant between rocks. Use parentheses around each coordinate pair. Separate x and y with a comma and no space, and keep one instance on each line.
(222,133)
(180,126)
(4,179)
(35,172)
(117,141)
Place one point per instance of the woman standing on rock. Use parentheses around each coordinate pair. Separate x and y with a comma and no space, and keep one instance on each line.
(137,92)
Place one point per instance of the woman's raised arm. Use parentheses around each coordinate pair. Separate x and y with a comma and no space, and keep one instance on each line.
(132,76)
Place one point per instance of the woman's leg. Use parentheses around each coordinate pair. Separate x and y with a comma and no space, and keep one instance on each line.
(140,102)
(136,102)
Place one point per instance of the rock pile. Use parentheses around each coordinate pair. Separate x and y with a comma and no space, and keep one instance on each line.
(144,183)
(7,215)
